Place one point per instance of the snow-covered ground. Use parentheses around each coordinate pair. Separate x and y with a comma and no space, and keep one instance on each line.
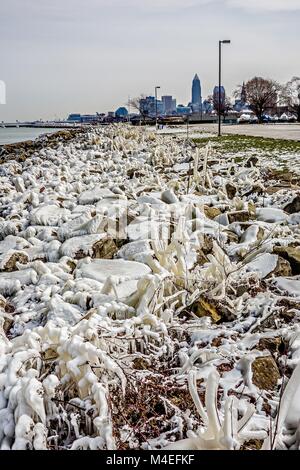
(286,131)
(149,297)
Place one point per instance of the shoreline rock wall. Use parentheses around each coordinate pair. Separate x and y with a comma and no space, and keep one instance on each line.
(139,279)
(19,151)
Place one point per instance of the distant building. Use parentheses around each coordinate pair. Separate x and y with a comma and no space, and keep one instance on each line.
(216,97)
(196,102)
(74,118)
(160,108)
(148,106)
(168,104)
(183,110)
(85,118)
(121,112)
(89,118)
(244,94)
(241,104)
(207,106)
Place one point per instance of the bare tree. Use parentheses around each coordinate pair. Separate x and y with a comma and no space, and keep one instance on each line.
(291,96)
(225,104)
(136,103)
(262,95)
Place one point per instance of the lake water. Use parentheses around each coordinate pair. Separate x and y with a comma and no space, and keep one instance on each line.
(12,135)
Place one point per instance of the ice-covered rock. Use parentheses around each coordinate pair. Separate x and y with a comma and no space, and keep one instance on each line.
(263,264)
(289,285)
(118,270)
(49,214)
(271,215)
(96,194)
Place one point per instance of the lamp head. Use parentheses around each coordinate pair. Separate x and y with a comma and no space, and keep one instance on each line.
(226,41)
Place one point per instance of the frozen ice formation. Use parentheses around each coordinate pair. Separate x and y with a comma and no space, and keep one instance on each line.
(117,270)
(149,297)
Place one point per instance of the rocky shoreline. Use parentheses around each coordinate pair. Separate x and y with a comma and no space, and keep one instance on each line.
(149,296)
(19,151)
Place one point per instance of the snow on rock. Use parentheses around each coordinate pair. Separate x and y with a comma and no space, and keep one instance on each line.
(12,242)
(62,312)
(118,270)
(135,251)
(263,265)
(49,215)
(142,228)
(271,215)
(94,195)
(290,285)
(12,281)
(83,244)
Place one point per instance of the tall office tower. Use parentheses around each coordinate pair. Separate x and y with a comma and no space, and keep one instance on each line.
(196,95)
(167,104)
(216,97)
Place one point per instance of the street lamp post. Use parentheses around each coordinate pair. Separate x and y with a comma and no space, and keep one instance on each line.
(225,41)
(187,126)
(156,88)
(128,109)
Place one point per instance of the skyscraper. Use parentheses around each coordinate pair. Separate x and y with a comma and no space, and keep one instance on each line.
(196,95)
(216,97)
(169,104)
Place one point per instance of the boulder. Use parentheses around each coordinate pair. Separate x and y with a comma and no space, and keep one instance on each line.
(169,197)
(231,190)
(252,234)
(203,308)
(211,212)
(292,256)
(256,189)
(289,285)
(10,264)
(232,237)
(120,271)
(293,206)
(271,344)
(265,373)
(283,268)
(264,264)
(252,444)
(238,216)
(6,314)
(105,249)
(271,215)
(252,161)
(215,309)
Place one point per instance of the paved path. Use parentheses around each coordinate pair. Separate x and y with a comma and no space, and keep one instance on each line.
(274,131)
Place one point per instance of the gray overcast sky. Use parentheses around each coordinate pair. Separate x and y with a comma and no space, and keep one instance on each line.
(62,56)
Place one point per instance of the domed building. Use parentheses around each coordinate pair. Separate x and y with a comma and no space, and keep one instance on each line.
(121,113)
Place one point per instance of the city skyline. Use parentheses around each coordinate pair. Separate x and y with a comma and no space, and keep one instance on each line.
(57,58)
